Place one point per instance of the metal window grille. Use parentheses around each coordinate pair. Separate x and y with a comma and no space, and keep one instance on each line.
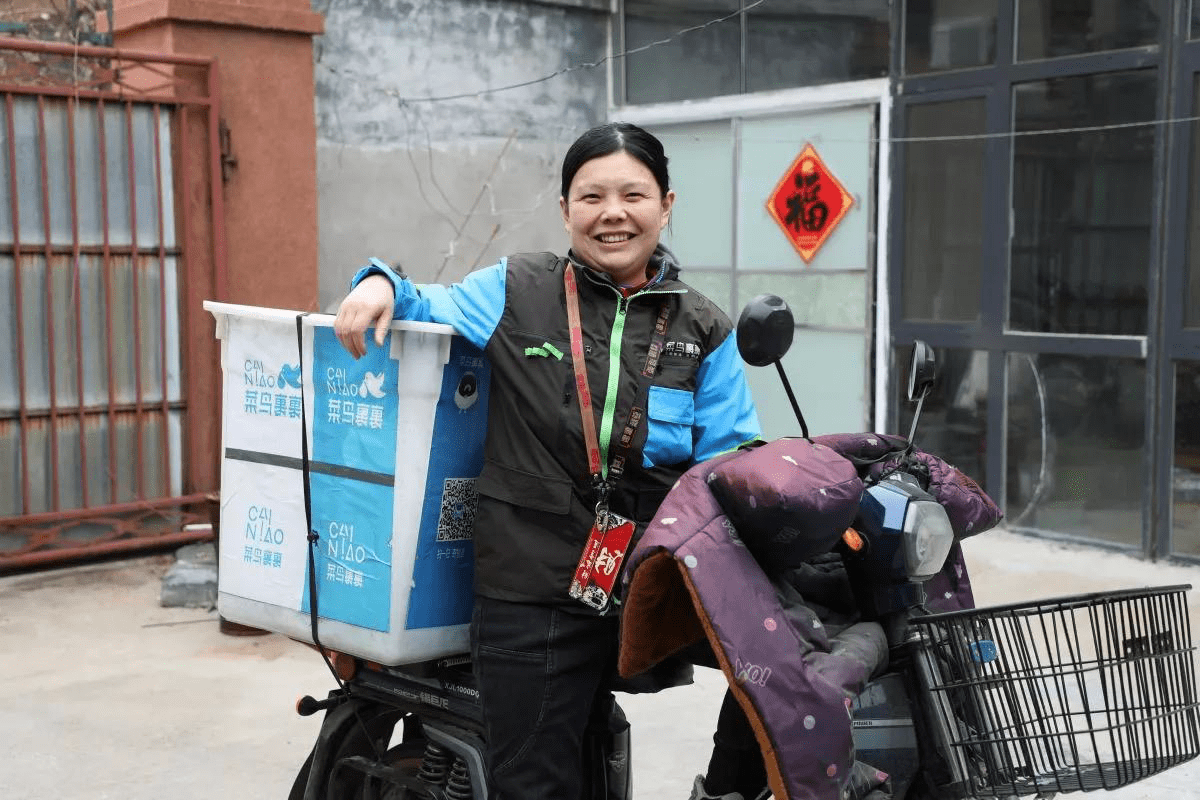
(95,165)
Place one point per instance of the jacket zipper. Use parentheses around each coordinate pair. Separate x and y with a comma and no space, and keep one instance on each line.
(614,370)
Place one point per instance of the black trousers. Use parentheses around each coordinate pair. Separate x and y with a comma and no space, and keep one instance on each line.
(736,764)
(540,671)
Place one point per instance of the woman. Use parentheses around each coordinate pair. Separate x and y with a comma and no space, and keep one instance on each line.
(651,366)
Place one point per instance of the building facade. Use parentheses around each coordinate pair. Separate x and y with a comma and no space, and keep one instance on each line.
(1041,238)
(1011,181)
(1017,190)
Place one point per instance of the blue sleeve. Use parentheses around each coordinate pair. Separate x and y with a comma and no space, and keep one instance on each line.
(473,306)
(725,414)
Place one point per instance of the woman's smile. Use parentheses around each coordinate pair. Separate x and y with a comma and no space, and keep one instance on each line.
(614,238)
(614,214)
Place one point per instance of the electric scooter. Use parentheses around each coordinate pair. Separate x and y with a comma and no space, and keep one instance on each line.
(1034,699)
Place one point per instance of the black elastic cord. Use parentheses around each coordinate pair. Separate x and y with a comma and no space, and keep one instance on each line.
(314,537)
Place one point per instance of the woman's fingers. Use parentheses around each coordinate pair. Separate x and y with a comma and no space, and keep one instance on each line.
(382,322)
(369,305)
(347,329)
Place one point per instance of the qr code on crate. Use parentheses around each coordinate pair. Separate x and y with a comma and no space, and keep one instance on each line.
(459,501)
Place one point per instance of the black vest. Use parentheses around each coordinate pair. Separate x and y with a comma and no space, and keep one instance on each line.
(537,501)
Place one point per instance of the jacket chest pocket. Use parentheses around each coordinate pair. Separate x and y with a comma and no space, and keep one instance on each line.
(677,371)
(542,382)
(537,350)
(670,414)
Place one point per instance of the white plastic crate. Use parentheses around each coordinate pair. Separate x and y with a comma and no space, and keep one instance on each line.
(395,443)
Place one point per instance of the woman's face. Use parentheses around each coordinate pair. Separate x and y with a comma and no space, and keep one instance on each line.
(614,214)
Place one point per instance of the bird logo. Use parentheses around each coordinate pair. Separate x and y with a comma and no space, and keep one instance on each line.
(372,385)
(289,375)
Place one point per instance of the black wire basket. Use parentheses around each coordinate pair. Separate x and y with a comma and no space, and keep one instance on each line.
(1072,694)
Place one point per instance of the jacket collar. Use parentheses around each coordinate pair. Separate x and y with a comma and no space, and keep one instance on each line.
(662,261)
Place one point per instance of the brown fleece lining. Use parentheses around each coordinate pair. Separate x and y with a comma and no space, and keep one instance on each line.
(665,622)
(669,617)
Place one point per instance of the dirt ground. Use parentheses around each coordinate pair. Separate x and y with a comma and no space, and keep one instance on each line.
(105,694)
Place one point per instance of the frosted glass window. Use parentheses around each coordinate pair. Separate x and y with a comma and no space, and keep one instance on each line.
(837,300)
(828,373)
(716,286)
(842,139)
(700,160)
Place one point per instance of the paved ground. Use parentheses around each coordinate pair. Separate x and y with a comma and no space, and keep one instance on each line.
(108,695)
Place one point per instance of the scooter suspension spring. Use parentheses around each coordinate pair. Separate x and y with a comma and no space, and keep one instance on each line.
(459,785)
(435,764)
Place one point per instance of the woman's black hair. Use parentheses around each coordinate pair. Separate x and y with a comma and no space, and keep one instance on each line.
(617,137)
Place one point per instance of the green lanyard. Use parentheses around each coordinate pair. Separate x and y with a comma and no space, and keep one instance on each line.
(598,465)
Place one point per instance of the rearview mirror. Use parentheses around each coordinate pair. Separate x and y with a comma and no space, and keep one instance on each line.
(922,371)
(765,330)
(764,334)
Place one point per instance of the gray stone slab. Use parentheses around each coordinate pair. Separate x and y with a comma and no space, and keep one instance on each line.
(191,582)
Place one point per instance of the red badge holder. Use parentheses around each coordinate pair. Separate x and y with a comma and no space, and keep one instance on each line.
(600,564)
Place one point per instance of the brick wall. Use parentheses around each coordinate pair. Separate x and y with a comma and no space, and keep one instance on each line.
(51,20)
(65,21)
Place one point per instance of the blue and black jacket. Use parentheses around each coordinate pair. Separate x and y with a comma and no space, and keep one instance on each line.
(537,499)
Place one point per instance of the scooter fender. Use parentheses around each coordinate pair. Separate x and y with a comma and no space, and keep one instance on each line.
(340,721)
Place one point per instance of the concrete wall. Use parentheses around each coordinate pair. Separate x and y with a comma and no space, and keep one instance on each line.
(443,187)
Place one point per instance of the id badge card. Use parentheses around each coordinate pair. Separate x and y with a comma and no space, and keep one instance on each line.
(600,564)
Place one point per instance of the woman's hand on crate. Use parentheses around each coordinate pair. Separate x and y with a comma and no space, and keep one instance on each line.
(369,305)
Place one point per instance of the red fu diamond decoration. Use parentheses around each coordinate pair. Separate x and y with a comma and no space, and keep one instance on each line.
(808,203)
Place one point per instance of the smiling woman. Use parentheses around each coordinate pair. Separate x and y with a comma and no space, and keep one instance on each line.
(609,378)
(614,206)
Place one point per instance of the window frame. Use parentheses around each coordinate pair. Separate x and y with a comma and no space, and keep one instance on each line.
(991,333)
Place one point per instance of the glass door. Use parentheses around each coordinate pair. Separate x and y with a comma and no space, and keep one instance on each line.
(1179,403)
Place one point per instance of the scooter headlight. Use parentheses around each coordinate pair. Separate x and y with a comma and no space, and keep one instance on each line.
(927,539)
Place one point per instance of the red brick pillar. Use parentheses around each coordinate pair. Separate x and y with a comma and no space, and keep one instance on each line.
(254,239)
(263,50)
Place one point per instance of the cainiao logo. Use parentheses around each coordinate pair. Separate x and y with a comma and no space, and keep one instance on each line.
(338,381)
(271,391)
(344,555)
(352,401)
(289,375)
